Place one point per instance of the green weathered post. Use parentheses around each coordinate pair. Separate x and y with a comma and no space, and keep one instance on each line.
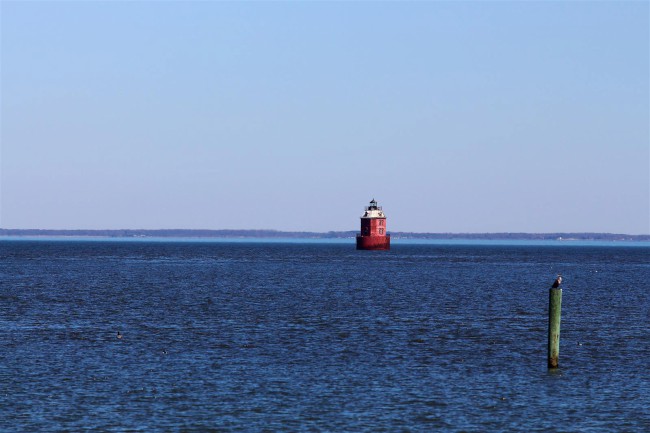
(554,313)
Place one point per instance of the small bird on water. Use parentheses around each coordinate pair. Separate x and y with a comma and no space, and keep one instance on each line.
(119,334)
(557,282)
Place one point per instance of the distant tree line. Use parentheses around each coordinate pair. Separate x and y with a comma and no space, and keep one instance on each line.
(190,233)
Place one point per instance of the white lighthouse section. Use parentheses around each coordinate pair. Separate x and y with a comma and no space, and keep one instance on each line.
(373,211)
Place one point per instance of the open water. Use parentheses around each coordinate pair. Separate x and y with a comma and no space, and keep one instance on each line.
(238,337)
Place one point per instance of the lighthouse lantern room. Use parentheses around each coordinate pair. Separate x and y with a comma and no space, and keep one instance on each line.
(373,234)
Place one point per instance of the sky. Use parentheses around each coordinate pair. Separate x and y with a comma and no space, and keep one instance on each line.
(456,116)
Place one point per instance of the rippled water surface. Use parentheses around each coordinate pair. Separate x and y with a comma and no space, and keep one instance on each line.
(320,337)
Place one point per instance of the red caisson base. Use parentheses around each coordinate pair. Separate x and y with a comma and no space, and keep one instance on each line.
(381,243)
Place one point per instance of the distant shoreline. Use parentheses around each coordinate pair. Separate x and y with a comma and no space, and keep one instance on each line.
(271,234)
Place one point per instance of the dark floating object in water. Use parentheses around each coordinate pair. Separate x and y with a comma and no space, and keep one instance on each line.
(119,334)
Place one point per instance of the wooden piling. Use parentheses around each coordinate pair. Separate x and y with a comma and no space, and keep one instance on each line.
(554,314)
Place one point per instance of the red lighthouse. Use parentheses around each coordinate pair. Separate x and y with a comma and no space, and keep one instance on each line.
(373,234)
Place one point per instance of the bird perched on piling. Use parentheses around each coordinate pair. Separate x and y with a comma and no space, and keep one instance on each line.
(557,282)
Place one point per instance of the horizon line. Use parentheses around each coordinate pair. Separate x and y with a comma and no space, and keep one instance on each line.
(294,233)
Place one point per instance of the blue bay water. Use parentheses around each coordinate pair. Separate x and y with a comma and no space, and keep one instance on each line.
(222,336)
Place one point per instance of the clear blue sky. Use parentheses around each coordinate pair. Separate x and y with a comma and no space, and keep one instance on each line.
(455,116)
